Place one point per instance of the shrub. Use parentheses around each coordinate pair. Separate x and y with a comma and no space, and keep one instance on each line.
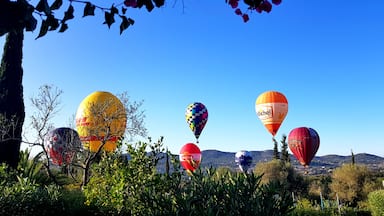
(27,198)
(376,202)
(135,187)
(277,170)
(352,183)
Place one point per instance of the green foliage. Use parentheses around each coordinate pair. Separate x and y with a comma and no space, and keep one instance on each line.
(30,168)
(26,198)
(277,170)
(352,183)
(276,154)
(7,175)
(376,202)
(23,196)
(135,187)
(271,170)
(284,149)
(320,184)
(127,186)
(305,207)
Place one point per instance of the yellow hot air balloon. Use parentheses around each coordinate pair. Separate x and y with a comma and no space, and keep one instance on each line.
(100,117)
(271,108)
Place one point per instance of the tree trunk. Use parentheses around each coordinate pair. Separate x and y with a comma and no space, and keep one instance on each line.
(11,97)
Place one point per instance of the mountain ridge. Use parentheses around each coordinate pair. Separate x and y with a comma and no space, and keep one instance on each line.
(319,164)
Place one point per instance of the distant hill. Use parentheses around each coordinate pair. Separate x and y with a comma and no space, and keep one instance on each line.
(319,165)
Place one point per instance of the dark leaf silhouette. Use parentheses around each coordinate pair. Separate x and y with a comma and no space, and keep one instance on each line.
(56,4)
(69,13)
(89,9)
(125,23)
(63,27)
(109,19)
(43,29)
(43,6)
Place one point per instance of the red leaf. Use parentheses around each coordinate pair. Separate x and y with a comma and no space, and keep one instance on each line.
(238,11)
(130,3)
(276,2)
(266,6)
(245,17)
(234,3)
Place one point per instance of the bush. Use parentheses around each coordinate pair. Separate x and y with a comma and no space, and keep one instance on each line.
(135,187)
(376,202)
(352,183)
(277,170)
(26,198)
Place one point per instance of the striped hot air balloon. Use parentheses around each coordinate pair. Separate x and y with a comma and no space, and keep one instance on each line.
(271,108)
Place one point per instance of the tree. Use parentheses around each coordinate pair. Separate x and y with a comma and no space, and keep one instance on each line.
(352,183)
(47,104)
(11,97)
(284,150)
(17,16)
(352,158)
(134,126)
(276,154)
(277,170)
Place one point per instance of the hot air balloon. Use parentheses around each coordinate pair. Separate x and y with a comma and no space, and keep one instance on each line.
(101,114)
(61,145)
(244,160)
(196,116)
(190,157)
(304,143)
(271,108)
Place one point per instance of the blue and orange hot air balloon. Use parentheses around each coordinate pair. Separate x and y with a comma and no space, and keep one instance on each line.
(304,143)
(271,108)
(196,115)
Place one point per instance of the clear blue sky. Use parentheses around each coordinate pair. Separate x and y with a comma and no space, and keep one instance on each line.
(326,57)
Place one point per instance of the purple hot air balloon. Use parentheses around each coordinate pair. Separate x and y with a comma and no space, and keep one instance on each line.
(243,160)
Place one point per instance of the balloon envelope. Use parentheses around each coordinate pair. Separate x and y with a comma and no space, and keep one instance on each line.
(243,160)
(190,156)
(101,114)
(271,108)
(304,143)
(196,115)
(61,145)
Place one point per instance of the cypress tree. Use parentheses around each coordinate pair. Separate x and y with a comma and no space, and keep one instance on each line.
(11,98)
(276,154)
(284,150)
(352,158)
